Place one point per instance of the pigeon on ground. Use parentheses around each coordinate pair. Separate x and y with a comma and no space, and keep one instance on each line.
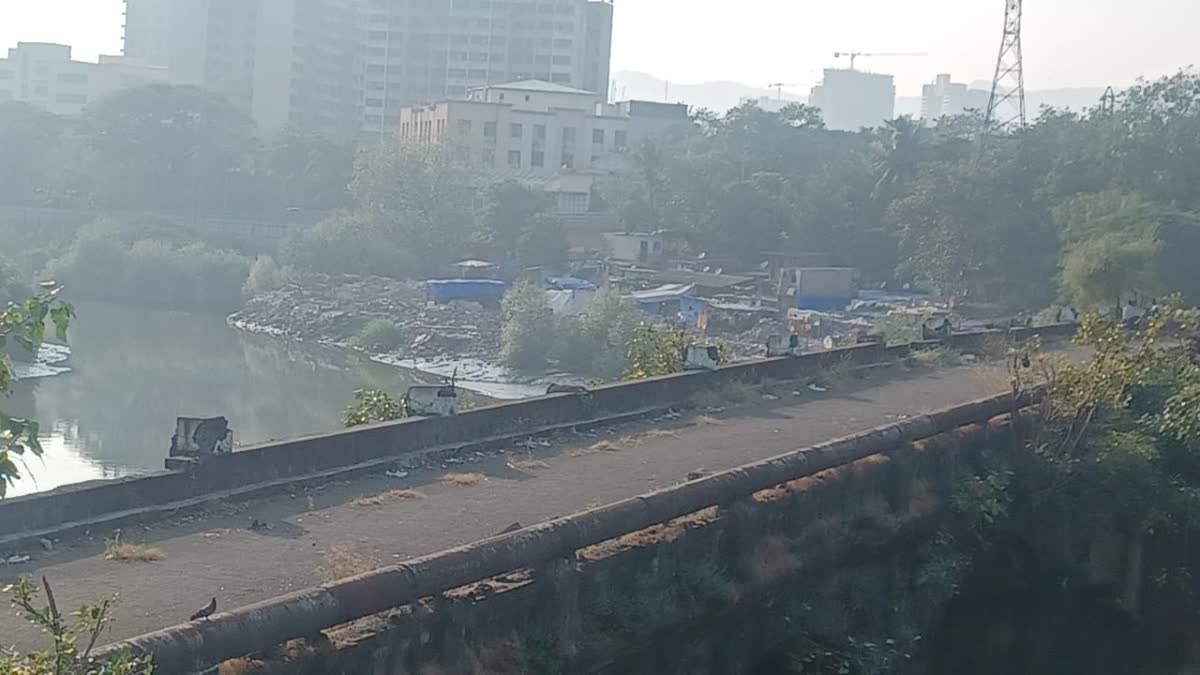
(205,611)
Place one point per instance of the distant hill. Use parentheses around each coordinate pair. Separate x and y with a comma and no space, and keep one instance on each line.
(721,96)
(716,96)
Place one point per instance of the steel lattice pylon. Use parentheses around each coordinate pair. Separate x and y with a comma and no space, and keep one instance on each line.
(1006,106)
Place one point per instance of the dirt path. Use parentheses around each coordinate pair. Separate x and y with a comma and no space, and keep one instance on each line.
(220,554)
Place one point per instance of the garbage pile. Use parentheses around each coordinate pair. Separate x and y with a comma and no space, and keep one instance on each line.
(333,309)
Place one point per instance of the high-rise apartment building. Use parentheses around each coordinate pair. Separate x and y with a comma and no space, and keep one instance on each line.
(338,65)
(422,51)
(852,99)
(945,97)
(286,63)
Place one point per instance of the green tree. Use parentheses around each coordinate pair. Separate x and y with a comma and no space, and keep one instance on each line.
(163,147)
(28,137)
(351,243)
(309,171)
(510,210)
(527,333)
(23,325)
(419,194)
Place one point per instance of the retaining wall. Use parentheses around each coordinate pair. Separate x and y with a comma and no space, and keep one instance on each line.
(22,518)
(305,613)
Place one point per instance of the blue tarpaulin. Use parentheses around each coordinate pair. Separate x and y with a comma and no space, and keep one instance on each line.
(476,290)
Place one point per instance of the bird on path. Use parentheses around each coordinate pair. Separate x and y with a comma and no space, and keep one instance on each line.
(205,611)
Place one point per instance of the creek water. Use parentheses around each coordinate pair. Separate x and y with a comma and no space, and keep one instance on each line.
(107,403)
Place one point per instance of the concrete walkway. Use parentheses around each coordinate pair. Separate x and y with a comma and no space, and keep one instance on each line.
(321,534)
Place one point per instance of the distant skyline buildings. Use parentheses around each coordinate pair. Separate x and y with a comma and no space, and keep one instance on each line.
(344,67)
(1068,43)
(944,98)
(852,99)
(44,75)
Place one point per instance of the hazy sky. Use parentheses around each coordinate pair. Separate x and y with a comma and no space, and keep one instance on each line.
(1067,42)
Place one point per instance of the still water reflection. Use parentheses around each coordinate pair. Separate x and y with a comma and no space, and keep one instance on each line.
(133,371)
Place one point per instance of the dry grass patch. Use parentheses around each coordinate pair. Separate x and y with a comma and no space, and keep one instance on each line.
(528,464)
(340,562)
(709,421)
(608,446)
(464,479)
(661,433)
(386,497)
(121,552)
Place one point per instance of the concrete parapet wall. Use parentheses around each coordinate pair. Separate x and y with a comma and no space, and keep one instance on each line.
(305,613)
(831,555)
(33,516)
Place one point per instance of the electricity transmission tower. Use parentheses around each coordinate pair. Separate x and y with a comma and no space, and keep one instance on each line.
(1006,106)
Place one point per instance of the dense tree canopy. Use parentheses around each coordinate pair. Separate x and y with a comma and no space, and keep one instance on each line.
(1084,206)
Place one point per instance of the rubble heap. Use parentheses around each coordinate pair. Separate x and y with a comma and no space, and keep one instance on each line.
(333,308)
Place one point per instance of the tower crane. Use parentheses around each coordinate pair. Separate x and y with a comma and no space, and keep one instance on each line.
(853,56)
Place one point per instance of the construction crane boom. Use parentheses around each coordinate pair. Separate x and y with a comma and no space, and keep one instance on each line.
(778,87)
(853,56)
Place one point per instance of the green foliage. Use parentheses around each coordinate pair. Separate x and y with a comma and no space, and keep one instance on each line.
(528,334)
(265,276)
(371,406)
(65,656)
(543,243)
(350,243)
(419,195)
(596,342)
(1122,426)
(378,335)
(655,351)
(24,325)
(509,209)
(152,264)
(981,502)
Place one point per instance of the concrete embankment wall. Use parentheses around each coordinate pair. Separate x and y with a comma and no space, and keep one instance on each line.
(749,505)
(28,517)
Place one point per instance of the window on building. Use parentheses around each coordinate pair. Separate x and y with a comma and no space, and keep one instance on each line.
(537,158)
(489,130)
(374,103)
(514,159)
(464,127)
(568,136)
(620,139)
(489,157)
(561,60)
(598,136)
(518,130)
(539,132)
(6,75)
(72,78)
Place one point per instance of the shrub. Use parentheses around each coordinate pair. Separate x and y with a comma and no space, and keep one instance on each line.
(371,406)
(529,331)
(378,335)
(265,276)
(172,273)
(349,243)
